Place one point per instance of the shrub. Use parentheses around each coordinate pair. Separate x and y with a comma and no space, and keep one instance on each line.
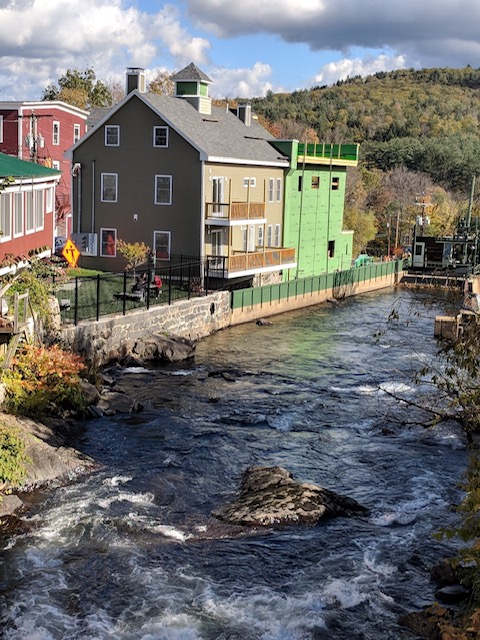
(43,381)
(12,456)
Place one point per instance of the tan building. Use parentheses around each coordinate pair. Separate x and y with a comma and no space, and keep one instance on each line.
(184,177)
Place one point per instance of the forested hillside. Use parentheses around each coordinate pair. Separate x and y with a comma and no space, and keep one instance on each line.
(421,124)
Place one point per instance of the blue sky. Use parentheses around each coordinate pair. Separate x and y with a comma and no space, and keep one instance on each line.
(247,47)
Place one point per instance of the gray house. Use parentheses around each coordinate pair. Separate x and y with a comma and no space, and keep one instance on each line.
(182,176)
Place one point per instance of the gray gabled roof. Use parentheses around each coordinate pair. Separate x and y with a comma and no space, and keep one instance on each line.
(219,137)
(191,72)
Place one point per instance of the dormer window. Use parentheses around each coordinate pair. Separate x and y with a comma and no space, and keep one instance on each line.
(160,137)
(112,135)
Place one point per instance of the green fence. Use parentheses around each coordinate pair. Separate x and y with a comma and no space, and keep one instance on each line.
(306,286)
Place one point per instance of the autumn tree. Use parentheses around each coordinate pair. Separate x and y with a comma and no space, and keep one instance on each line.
(80,89)
(162,84)
(135,253)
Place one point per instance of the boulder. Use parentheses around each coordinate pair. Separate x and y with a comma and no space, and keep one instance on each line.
(158,348)
(270,497)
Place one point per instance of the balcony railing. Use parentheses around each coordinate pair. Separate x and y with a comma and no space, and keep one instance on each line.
(326,152)
(235,210)
(240,261)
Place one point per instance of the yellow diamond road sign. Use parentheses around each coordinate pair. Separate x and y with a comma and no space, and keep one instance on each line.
(71,253)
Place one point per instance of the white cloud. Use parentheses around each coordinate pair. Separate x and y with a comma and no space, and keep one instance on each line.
(41,39)
(348,68)
(241,83)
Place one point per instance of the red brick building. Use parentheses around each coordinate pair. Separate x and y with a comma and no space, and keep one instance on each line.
(41,132)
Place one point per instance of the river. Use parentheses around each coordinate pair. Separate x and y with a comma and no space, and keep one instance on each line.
(131,552)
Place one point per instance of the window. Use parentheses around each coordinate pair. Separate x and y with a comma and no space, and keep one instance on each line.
(109,187)
(163,189)
(76,133)
(108,247)
(278,194)
(18,214)
(315,182)
(161,241)
(160,136)
(56,132)
(218,196)
(271,189)
(331,248)
(49,200)
(300,182)
(244,239)
(29,218)
(39,210)
(249,181)
(260,238)
(335,184)
(269,235)
(56,165)
(277,235)
(1,128)
(112,135)
(5,216)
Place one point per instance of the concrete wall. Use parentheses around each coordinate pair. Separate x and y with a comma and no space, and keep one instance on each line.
(254,312)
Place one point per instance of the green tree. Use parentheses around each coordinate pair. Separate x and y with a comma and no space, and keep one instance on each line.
(81,89)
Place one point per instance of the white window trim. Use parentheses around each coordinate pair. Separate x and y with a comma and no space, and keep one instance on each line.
(271,189)
(250,182)
(277,236)
(18,195)
(164,233)
(56,136)
(108,255)
(1,129)
(161,146)
(278,193)
(170,190)
(76,133)
(102,177)
(3,196)
(39,199)
(107,128)
(261,236)
(29,197)
(49,200)
(269,235)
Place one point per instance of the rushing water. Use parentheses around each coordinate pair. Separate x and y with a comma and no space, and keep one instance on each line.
(131,552)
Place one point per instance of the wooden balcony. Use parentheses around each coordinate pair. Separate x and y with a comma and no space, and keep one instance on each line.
(235,211)
(254,261)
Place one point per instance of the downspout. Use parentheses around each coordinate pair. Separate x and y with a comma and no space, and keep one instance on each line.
(20,134)
(329,203)
(301,210)
(93,197)
(202,211)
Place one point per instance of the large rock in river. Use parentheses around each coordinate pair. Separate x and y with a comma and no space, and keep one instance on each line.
(269,496)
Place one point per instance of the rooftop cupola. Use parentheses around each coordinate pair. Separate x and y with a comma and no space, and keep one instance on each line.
(191,84)
(135,79)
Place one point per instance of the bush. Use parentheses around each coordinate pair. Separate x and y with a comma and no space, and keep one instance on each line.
(12,456)
(43,381)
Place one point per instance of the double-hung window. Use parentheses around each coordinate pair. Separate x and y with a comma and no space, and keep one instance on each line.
(271,189)
(112,135)
(56,132)
(269,235)
(108,243)
(163,189)
(76,133)
(160,137)
(277,235)
(109,187)
(18,214)
(6,216)
(29,212)
(39,209)
(278,191)
(162,241)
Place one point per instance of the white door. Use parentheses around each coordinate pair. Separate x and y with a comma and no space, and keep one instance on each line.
(218,196)
(418,254)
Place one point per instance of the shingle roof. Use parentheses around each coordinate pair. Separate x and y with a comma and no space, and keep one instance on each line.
(15,168)
(191,72)
(221,135)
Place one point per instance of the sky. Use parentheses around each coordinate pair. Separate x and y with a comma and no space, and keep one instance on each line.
(246,47)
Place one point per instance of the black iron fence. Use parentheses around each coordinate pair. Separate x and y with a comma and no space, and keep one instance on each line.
(89,298)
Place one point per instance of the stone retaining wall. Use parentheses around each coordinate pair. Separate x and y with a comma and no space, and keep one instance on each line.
(192,319)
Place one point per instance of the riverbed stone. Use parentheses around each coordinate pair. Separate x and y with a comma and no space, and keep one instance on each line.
(269,496)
